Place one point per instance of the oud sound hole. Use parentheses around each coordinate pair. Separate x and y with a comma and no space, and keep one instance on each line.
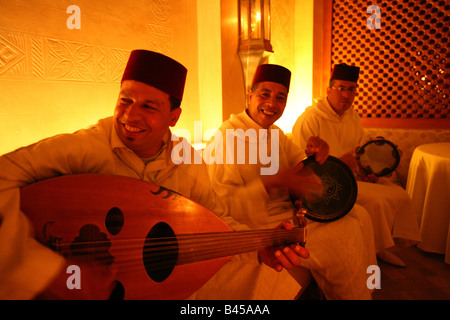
(114,221)
(160,252)
(91,243)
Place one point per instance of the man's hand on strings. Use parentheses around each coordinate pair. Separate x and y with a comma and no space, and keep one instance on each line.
(283,257)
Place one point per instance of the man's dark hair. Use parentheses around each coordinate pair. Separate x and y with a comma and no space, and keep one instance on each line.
(331,82)
(174,103)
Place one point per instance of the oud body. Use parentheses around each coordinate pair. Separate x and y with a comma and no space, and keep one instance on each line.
(161,244)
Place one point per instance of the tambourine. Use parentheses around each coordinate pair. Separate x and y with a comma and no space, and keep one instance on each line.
(340,190)
(378,156)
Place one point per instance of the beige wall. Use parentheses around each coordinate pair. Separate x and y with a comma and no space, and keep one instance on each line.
(233,90)
(54,79)
(292,41)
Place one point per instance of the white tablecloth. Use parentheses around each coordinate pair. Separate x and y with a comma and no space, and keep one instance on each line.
(428,185)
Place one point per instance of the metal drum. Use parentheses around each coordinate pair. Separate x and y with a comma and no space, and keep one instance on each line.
(340,190)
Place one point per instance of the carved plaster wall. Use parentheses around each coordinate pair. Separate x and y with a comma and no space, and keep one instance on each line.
(36,57)
(55,79)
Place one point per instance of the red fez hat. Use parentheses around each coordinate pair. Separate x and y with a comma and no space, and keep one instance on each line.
(156,70)
(272,73)
(345,72)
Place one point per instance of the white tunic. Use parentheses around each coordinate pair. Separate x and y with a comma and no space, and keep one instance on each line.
(388,204)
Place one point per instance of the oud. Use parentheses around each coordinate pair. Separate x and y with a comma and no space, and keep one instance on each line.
(162,245)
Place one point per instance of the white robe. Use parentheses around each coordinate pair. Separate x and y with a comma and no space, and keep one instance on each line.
(340,251)
(389,205)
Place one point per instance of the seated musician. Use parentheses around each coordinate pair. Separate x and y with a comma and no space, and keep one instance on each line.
(135,142)
(333,119)
(340,251)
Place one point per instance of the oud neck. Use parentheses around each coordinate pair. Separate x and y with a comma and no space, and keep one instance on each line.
(200,247)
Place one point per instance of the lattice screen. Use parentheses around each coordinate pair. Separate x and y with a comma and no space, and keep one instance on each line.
(404,65)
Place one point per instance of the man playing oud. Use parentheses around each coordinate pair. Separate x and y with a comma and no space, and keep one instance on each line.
(135,142)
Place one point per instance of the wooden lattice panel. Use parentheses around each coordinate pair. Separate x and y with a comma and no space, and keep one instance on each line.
(404,64)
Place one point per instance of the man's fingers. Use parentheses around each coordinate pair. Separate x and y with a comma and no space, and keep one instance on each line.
(290,257)
(284,260)
(302,251)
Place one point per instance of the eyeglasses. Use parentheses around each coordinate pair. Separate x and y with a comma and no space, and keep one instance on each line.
(351,90)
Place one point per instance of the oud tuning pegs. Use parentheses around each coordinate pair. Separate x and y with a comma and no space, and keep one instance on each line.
(300,214)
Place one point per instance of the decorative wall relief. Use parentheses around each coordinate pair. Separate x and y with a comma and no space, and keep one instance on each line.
(34,57)
(12,55)
(161,38)
(160,31)
(160,9)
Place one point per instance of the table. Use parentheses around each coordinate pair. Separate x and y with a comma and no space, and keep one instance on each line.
(428,185)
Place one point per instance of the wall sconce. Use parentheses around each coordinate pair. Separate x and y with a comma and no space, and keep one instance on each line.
(254,36)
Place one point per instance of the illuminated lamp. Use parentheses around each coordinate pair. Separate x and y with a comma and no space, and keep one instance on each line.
(254,36)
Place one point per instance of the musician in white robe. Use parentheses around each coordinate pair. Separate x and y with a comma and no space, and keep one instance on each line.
(135,143)
(333,119)
(340,251)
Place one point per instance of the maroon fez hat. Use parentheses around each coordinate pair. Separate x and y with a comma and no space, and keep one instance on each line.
(272,73)
(156,70)
(345,72)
